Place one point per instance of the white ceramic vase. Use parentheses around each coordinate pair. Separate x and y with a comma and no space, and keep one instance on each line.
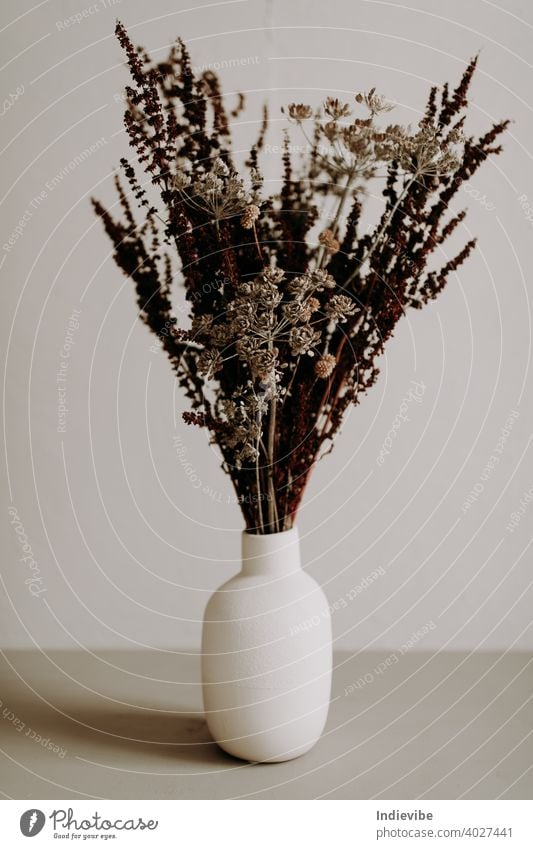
(266,654)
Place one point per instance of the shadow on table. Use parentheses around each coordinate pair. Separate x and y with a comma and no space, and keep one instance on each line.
(161,735)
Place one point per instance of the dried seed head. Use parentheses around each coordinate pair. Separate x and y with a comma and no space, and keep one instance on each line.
(299,111)
(339,307)
(325,365)
(329,242)
(263,363)
(302,339)
(375,103)
(180,181)
(308,308)
(335,108)
(250,216)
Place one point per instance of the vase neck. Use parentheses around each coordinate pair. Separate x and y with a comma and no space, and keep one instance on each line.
(271,554)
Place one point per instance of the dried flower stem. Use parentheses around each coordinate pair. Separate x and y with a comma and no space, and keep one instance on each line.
(271,468)
(258,246)
(261,525)
(335,223)
(381,230)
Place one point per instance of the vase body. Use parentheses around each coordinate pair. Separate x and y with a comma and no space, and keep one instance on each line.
(266,654)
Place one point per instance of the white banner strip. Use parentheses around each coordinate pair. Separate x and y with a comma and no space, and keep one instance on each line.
(268,824)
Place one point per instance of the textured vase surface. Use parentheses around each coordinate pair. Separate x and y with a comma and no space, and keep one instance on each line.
(266,654)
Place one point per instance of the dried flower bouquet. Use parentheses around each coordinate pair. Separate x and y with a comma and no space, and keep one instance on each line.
(290,304)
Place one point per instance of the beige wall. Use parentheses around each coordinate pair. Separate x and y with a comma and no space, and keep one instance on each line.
(125,513)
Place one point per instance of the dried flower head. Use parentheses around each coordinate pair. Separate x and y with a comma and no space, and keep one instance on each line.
(273,275)
(299,111)
(218,192)
(311,282)
(250,216)
(324,365)
(339,307)
(296,311)
(335,108)
(375,103)
(308,307)
(219,168)
(426,153)
(302,339)
(328,240)
(263,363)
(247,346)
(180,181)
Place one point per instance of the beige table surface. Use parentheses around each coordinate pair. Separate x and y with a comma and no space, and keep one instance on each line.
(128,725)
